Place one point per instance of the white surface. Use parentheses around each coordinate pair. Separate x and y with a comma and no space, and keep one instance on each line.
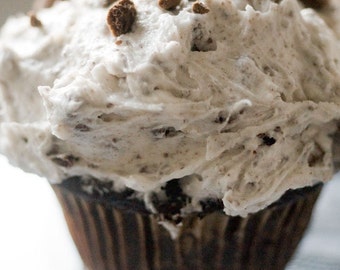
(33,234)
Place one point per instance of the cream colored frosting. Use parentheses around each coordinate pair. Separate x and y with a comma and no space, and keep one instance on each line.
(239,103)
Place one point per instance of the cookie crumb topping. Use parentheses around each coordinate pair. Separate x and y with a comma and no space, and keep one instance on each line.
(121,17)
(34,21)
(168,4)
(199,8)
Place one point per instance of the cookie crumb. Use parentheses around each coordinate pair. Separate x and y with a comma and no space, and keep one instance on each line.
(121,17)
(34,21)
(66,161)
(266,139)
(119,42)
(199,8)
(165,132)
(82,128)
(168,4)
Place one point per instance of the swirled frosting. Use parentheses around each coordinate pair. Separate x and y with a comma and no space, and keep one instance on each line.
(238,103)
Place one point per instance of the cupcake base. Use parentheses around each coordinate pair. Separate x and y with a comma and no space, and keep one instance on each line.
(109,237)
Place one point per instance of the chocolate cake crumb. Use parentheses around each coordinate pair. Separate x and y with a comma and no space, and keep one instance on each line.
(199,8)
(176,200)
(316,4)
(168,4)
(34,21)
(121,17)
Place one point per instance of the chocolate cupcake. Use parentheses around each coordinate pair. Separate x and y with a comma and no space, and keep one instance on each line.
(112,231)
(176,134)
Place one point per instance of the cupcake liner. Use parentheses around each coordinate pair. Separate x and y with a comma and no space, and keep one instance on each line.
(110,237)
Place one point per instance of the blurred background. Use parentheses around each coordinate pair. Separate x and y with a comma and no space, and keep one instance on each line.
(33,234)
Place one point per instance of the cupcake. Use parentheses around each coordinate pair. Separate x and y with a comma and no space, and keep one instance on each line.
(175,134)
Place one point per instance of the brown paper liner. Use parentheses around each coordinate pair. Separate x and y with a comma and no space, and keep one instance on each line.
(110,238)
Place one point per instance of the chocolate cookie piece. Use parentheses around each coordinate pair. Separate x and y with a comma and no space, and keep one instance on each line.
(199,8)
(121,17)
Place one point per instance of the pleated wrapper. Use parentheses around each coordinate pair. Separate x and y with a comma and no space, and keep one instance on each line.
(111,237)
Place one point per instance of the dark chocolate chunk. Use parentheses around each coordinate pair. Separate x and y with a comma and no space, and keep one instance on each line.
(121,17)
(268,140)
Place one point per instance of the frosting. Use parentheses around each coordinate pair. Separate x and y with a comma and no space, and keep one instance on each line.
(238,101)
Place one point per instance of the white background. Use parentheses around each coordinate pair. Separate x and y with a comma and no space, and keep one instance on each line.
(33,234)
